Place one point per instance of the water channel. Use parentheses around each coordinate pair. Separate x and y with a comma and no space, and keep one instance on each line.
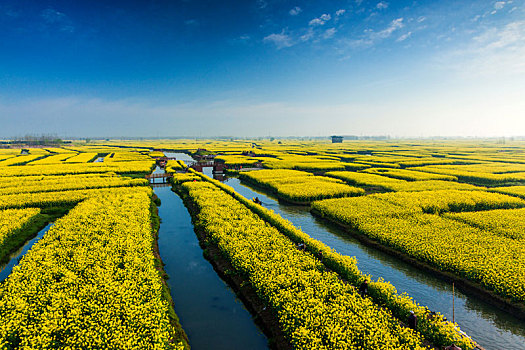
(15,257)
(209,311)
(491,327)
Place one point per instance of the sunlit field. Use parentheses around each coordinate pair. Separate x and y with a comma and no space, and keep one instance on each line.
(95,278)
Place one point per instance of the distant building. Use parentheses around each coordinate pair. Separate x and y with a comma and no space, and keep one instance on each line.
(337,139)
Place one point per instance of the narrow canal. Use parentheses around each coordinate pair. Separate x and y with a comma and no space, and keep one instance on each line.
(488,325)
(209,311)
(15,257)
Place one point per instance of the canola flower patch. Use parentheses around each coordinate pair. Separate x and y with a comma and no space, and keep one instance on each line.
(378,164)
(428,161)
(6,156)
(84,157)
(315,309)
(409,175)
(390,184)
(489,167)
(495,261)
(503,222)
(67,184)
(179,178)
(303,162)
(90,282)
(300,186)
(12,221)
(237,160)
(53,159)
(59,150)
(60,198)
(487,178)
(435,329)
(435,185)
(175,165)
(498,263)
(14,181)
(350,211)
(19,160)
(366,179)
(79,168)
(127,156)
(518,191)
(452,200)
(156,154)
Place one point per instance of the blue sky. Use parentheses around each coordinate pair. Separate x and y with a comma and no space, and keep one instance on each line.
(262,67)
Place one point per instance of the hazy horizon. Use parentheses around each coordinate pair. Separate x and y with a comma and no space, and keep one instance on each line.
(262,68)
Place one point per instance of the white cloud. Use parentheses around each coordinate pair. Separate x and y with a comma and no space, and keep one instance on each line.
(295,11)
(498,52)
(512,34)
(320,20)
(329,33)
(308,35)
(382,5)
(262,4)
(370,37)
(191,22)
(281,40)
(404,36)
(53,16)
(421,19)
(340,12)
(394,25)
(315,22)
(359,43)
(12,13)
(499,5)
(57,19)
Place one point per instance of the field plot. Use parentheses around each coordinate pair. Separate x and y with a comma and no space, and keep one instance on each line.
(175,165)
(409,174)
(93,279)
(90,282)
(67,183)
(371,180)
(18,160)
(298,186)
(97,266)
(76,168)
(312,304)
(12,224)
(399,220)
(476,177)
(518,191)
(452,200)
(82,157)
(52,159)
(503,222)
